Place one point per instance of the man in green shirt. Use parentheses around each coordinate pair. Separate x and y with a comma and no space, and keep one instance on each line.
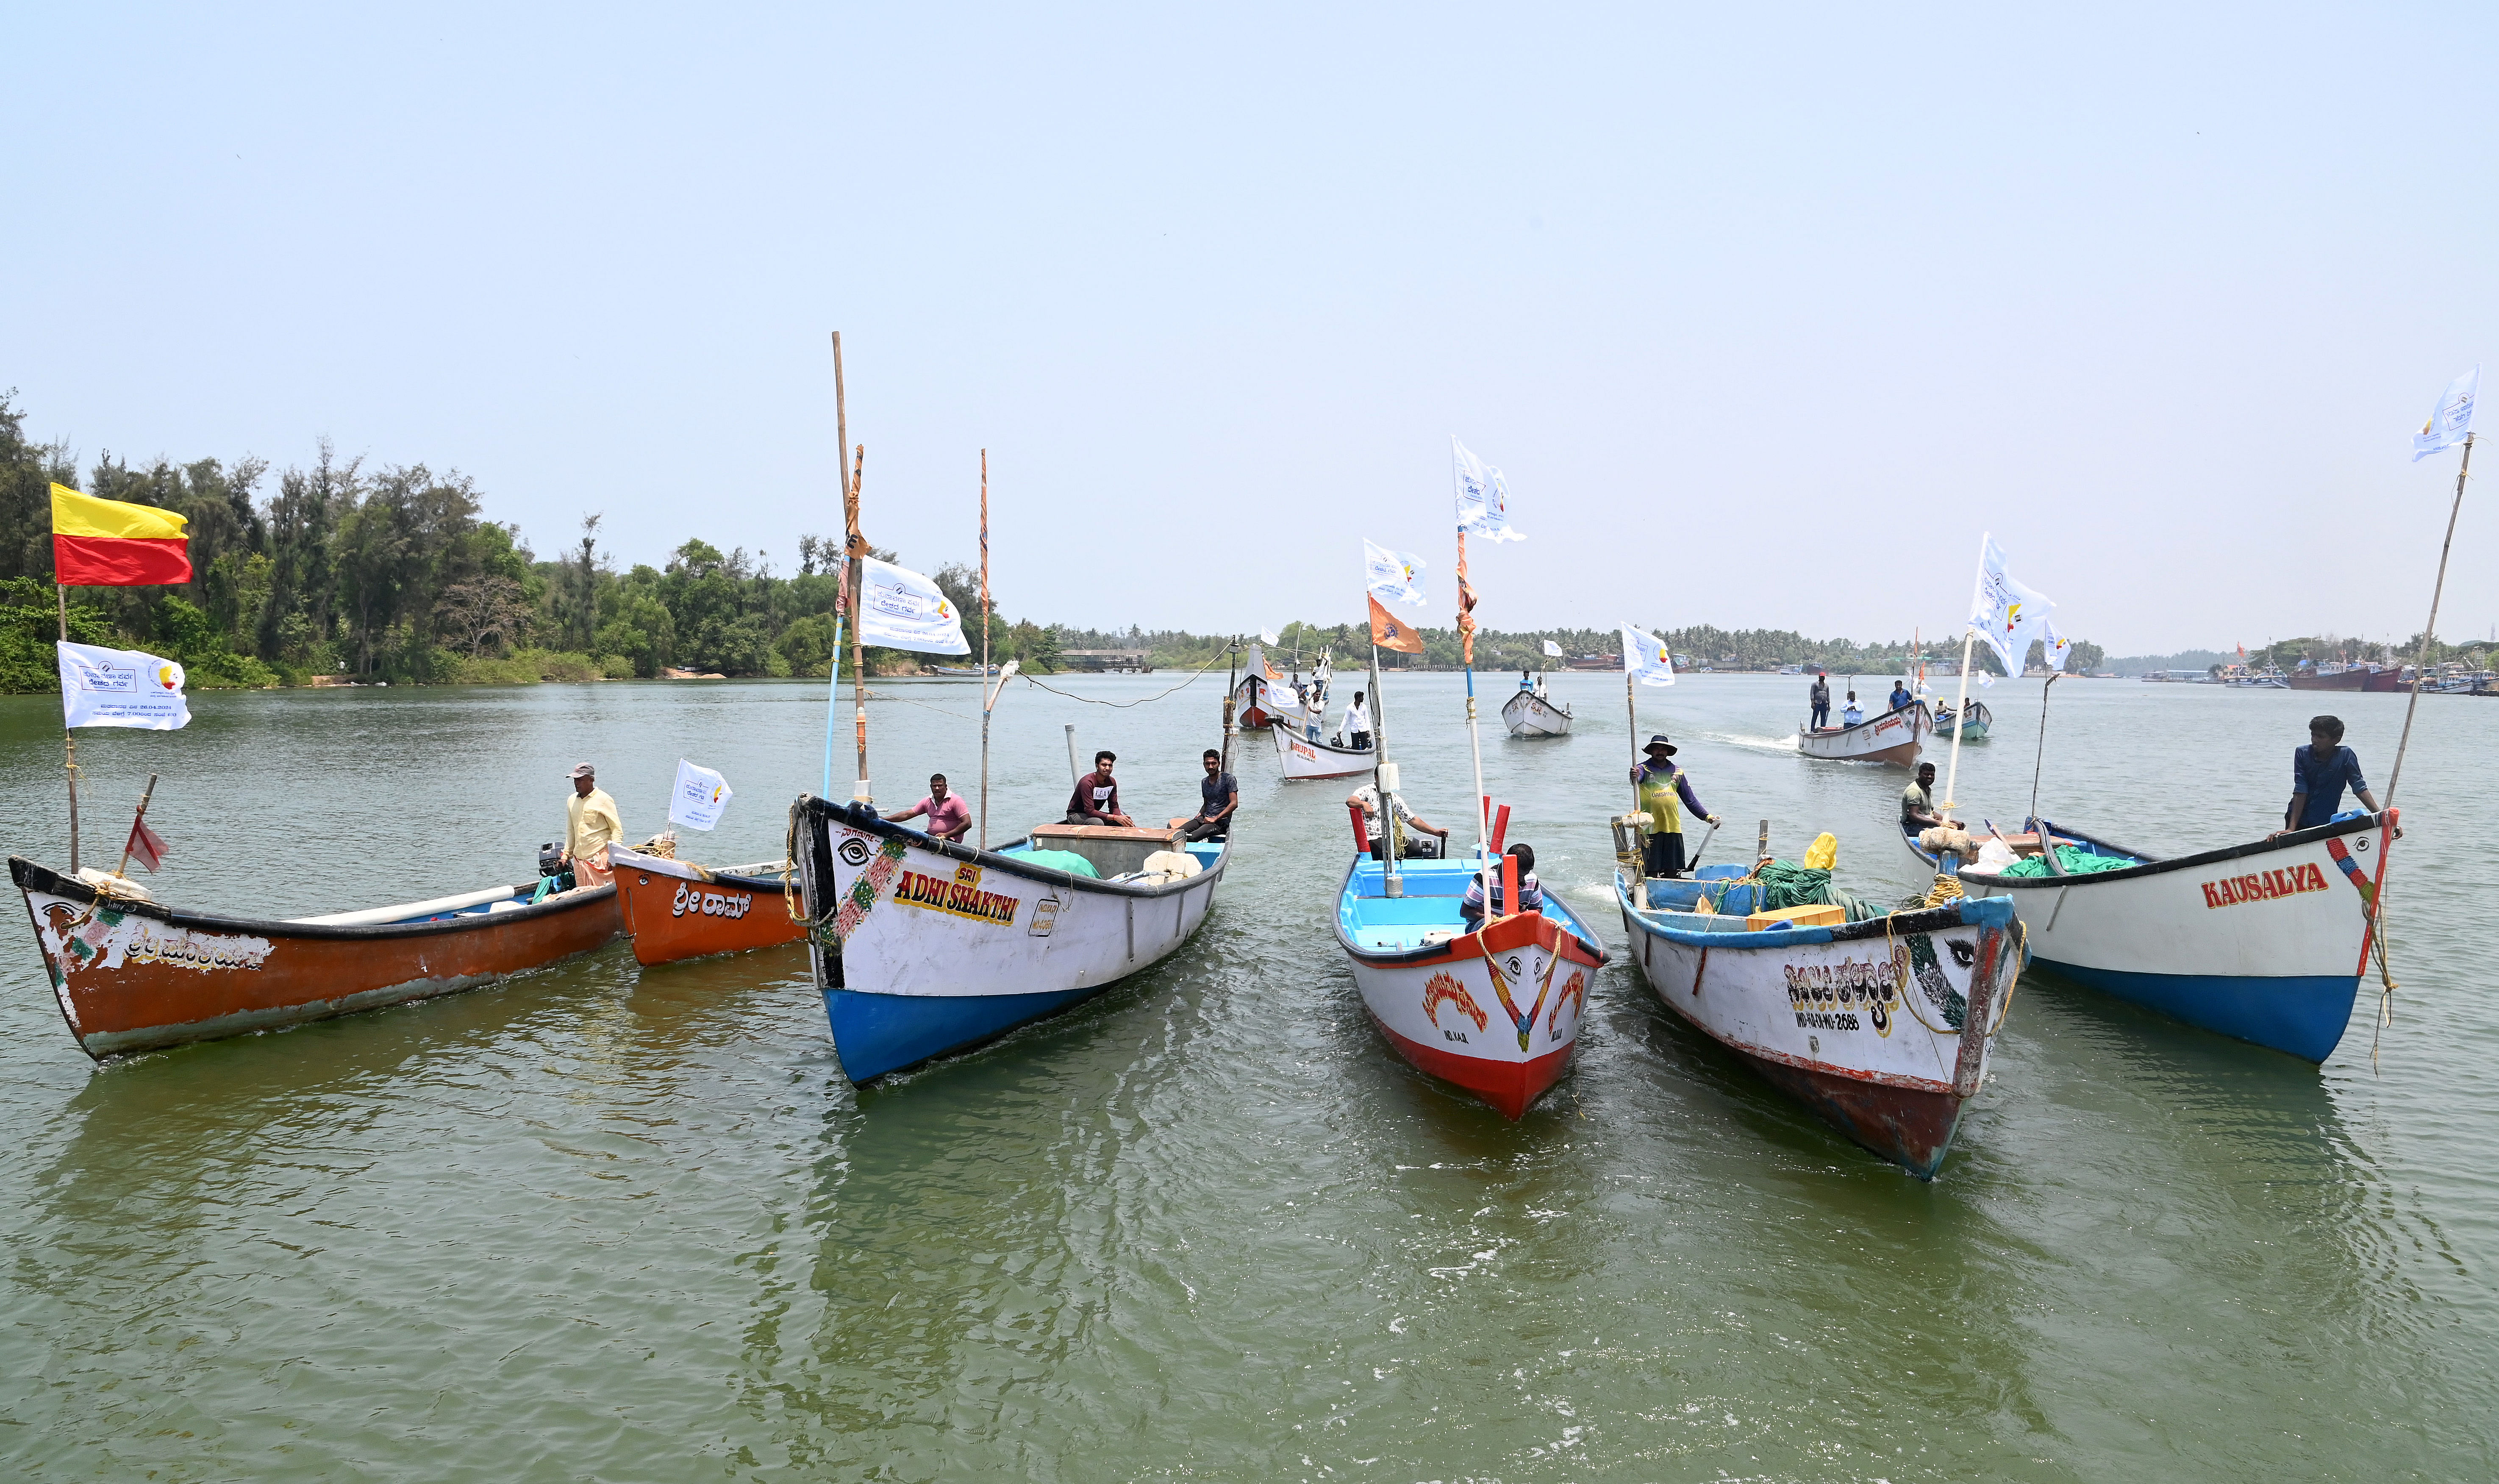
(1663,791)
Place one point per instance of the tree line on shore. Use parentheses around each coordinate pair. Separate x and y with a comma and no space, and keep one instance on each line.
(394,574)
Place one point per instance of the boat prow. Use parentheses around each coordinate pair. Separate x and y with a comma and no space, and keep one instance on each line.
(1534,714)
(676,910)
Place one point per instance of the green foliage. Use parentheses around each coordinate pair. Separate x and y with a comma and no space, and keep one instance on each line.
(30,624)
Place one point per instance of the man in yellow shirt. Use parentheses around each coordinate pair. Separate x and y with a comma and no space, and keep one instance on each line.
(591,825)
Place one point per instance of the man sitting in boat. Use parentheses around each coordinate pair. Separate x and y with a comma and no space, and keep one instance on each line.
(1524,682)
(1214,818)
(591,825)
(1901,697)
(1531,893)
(1918,803)
(1818,696)
(1358,724)
(2320,772)
(1096,799)
(948,817)
(1663,791)
(1414,847)
(1851,713)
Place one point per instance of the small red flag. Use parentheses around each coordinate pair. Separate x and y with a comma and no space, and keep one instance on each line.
(147,846)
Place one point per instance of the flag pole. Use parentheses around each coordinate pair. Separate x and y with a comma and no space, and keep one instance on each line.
(1631,709)
(1475,741)
(988,697)
(857,546)
(842,586)
(2420,671)
(2042,756)
(136,824)
(69,737)
(1952,776)
(1391,845)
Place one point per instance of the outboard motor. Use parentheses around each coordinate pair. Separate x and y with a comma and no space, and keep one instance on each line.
(552,868)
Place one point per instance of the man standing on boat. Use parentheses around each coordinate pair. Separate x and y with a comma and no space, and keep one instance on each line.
(948,817)
(591,825)
(1214,818)
(2320,772)
(1918,803)
(1852,713)
(1901,697)
(1096,799)
(1664,793)
(1819,697)
(1358,724)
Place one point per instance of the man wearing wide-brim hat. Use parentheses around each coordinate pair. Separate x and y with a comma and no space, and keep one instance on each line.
(1664,793)
(591,825)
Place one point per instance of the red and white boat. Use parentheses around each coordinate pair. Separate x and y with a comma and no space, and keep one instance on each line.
(1892,737)
(675,909)
(134,976)
(1496,1011)
(1305,757)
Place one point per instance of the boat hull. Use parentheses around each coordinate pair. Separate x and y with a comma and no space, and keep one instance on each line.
(138,977)
(675,911)
(1303,758)
(1528,714)
(923,948)
(2265,942)
(1890,739)
(1883,1029)
(1496,1012)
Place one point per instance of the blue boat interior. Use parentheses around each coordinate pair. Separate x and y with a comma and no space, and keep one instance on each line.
(1428,912)
(1680,921)
(523,897)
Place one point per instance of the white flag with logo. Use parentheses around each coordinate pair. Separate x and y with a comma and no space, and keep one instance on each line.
(1552,651)
(2451,419)
(2055,647)
(120,687)
(2007,615)
(1395,575)
(701,797)
(1483,498)
(1645,659)
(900,609)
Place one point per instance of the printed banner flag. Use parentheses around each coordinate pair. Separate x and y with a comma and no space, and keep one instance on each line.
(112,544)
(1395,575)
(699,799)
(1645,659)
(2056,646)
(146,846)
(2448,422)
(2007,615)
(1552,651)
(1484,498)
(120,687)
(900,609)
(1389,632)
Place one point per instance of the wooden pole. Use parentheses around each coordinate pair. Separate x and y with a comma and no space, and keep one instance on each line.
(842,603)
(69,739)
(990,699)
(124,869)
(1952,778)
(1392,844)
(858,546)
(2042,756)
(2421,670)
(1631,708)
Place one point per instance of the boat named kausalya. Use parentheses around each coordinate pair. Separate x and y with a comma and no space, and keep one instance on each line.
(134,976)
(1305,757)
(922,947)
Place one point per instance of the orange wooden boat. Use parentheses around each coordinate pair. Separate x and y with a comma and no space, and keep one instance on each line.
(135,976)
(677,909)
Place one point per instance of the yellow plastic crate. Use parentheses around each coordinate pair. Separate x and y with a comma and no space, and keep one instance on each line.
(1800,916)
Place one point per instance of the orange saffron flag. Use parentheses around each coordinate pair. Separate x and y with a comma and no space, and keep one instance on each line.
(112,544)
(1389,632)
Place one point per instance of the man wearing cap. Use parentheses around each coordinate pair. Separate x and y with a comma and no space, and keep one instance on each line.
(1663,791)
(591,825)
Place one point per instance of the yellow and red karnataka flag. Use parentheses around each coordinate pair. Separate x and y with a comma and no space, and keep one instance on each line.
(112,544)
(1389,632)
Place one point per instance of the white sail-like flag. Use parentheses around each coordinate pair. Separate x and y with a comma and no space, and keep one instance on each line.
(120,687)
(1268,637)
(699,798)
(1484,498)
(1395,575)
(2451,419)
(2056,646)
(1552,651)
(2007,615)
(1645,658)
(900,609)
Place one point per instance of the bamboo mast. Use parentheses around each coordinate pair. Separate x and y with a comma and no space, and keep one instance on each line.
(842,589)
(1475,739)
(1383,783)
(858,548)
(2421,670)
(70,738)
(988,697)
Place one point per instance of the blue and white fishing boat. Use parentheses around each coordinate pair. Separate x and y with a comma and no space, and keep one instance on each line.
(922,947)
(1949,724)
(2265,941)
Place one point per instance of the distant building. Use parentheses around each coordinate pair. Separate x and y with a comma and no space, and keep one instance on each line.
(1132,662)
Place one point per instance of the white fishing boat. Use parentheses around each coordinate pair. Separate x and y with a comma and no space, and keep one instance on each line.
(924,946)
(1891,737)
(1881,1026)
(2265,941)
(1304,757)
(1533,712)
(1495,1010)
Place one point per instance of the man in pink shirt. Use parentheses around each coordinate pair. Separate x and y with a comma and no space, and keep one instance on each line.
(948,817)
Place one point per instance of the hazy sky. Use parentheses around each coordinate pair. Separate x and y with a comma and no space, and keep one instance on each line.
(1767,315)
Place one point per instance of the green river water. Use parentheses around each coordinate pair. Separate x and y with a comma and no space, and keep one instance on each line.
(601,1222)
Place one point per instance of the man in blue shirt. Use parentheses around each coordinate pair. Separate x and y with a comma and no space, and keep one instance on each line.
(1900,695)
(2320,772)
